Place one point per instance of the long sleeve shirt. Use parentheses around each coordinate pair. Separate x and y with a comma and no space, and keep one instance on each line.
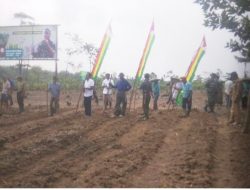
(55,89)
(122,85)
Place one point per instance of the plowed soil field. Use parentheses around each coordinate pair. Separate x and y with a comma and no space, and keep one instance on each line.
(70,150)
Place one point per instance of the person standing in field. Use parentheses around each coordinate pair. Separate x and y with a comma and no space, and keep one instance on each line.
(245,92)
(212,92)
(55,90)
(156,92)
(122,87)
(107,91)
(228,92)
(187,97)
(146,88)
(88,91)
(12,86)
(175,91)
(235,118)
(4,94)
(20,86)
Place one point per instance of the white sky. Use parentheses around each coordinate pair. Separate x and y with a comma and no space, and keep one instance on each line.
(178,29)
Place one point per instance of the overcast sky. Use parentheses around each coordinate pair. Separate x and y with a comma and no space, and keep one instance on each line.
(178,33)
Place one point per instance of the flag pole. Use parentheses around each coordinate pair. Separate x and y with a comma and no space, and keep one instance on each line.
(132,94)
(147,48)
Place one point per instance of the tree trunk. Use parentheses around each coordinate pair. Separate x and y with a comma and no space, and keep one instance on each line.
(247,120)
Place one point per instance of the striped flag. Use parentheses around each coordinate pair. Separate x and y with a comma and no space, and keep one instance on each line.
(146,51)
(101,52)
(196,60)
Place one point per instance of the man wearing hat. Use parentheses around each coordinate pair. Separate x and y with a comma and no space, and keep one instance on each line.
(187,97)
(146,93)
(122,87)
(20,93)
(234,118)
(212,88)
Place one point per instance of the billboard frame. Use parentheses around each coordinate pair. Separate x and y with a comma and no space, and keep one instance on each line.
(41,59)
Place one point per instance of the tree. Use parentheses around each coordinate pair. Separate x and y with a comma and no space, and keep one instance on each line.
(80,47)
(233,16)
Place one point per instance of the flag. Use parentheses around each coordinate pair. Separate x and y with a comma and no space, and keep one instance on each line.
(101,52)
(193,67)
(146,51)
(196,60)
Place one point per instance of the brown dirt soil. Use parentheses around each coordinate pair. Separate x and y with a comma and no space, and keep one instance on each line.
(69,150)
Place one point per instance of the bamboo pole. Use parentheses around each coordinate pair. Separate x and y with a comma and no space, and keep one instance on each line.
(47,99)
(77,105)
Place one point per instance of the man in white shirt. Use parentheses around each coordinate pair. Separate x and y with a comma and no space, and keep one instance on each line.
(107,91)
(88,89)
(175,91)
(4,94)
(228,91)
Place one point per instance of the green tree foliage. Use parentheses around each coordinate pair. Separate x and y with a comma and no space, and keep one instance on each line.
(37,79)
(198,83)
(82,47)
(232,15)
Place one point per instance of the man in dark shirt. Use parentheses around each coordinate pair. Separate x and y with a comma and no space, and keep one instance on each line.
(46,49)
(54,89)
(122,87)
(146,88)
(212,93)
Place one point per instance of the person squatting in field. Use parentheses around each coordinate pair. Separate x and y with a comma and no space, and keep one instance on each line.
(146,88)
(122,87)
(107,91)
(54,89)
(88,91)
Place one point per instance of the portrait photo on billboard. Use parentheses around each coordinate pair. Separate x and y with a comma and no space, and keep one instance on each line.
(28,42)
(45,44)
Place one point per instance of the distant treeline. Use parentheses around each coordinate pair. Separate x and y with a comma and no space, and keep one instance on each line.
(37,79)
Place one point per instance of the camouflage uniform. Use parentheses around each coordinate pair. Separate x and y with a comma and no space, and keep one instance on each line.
(236,97)
(212,93)
(219,100)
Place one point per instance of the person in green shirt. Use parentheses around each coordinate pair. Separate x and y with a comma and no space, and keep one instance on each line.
(156,92)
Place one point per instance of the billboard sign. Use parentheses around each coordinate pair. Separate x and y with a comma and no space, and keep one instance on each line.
(34,42)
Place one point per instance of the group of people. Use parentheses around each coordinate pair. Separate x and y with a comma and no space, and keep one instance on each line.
(235,91)
(149,89)
(236,95)
(8,87)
